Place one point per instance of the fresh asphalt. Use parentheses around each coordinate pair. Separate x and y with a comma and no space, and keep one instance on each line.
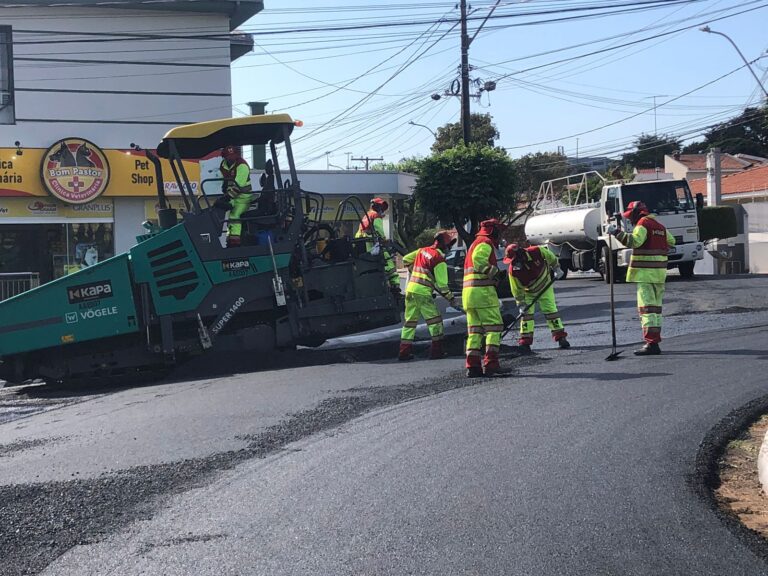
(570,466)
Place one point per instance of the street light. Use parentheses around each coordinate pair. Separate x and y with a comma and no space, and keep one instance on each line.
(412,123)
(710,31)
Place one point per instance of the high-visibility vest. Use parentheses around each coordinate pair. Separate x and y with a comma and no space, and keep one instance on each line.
(650,242)
(534,275)
(229,174)
(479,272)
(367,224)
(429,272)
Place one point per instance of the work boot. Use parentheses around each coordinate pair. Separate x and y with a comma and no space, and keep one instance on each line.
(564,344)
(650,349)
(496,370)
(406,351)
(233,241)
(436,351)
(524,348)
(474,372)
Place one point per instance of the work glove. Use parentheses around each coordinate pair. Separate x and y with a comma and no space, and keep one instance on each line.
(612,230)
(521,310)
(558,272)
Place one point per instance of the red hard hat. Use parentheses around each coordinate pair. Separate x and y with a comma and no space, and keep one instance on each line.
(230,152)
(511,253)
(444,238)
(489,227)
(379,203)
(635,210)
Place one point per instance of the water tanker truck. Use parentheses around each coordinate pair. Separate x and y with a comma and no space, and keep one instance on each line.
(573,226)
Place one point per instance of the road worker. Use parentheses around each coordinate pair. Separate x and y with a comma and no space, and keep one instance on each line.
(650,242)
(429,273)
(372,226)
(237,188)
(481,303)
(529,275)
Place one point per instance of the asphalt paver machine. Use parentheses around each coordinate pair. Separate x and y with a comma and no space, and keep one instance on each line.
(180,292)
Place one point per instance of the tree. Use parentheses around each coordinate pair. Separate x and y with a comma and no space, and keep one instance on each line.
(650,150)
(484,132)
(746,133)
(410,164)
(533,169)
(468,184)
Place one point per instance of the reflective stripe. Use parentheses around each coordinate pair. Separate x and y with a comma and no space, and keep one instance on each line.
(539,282)
(649,309)
(493,327)
(411,324)
(422,270)
(643,252)
(469,270)
(476,330)
(527,317)
(422,281)
(647,263)
(435,320)
(474,352)
(553,316)
(475,283)
(491,348)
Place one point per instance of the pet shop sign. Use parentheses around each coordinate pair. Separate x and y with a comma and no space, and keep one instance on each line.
(75,171)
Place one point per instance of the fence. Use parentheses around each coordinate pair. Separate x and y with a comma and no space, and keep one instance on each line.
(16,283)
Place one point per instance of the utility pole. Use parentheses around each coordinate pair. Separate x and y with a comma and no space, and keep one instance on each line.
(465,114)
(367,160)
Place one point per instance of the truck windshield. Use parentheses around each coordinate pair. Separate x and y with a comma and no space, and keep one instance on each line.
(660,196)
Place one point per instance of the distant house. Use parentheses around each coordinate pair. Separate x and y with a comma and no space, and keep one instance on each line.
(750,189)
(599,163)
(694,166)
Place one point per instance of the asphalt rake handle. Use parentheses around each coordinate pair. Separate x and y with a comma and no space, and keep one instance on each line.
(526,308)
(614,355)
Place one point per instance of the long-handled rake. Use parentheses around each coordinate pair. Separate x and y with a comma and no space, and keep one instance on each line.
(609,268)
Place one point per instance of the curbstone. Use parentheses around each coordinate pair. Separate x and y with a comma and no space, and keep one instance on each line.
(762,465)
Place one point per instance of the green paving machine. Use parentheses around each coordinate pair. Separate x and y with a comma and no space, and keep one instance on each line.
(180,292)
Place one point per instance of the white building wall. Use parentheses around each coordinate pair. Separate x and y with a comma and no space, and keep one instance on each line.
(129,214)
(123,90)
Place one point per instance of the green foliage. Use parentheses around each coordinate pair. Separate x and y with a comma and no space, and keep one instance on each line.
(650,150)
(425,238)
(533,169)
(484,132)
(746,133)
(468,184)
(411,164)
(717,222)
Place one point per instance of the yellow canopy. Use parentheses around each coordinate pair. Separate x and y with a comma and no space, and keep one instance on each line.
(199,140)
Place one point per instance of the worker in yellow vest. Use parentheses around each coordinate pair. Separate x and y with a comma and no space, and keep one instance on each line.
(650,242)
(372,226)
(481,303)
(237,187)
(429,273)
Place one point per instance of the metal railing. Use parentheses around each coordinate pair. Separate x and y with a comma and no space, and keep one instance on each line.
(15,283)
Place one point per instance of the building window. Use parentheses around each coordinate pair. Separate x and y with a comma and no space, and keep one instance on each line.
(7,115)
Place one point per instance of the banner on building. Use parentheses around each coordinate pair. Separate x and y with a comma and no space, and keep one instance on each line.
(48,208)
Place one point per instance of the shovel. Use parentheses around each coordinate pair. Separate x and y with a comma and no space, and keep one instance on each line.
(614,355)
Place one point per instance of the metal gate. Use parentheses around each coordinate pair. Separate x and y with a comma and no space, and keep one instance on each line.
(16,283)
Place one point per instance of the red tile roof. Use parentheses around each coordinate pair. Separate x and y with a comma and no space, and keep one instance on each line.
(752,180)
(699,162)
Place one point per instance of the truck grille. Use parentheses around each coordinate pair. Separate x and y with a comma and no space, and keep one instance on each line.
(173,271)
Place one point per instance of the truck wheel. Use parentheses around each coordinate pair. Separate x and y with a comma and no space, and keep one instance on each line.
(686,269)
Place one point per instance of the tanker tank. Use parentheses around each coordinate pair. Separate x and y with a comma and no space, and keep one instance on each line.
(578,227)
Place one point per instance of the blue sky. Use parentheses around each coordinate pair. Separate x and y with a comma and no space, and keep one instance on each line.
(356,90)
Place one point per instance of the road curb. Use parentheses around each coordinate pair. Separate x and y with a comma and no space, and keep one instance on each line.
(762,464)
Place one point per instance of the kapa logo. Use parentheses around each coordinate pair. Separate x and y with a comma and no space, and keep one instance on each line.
(235,265)
(89,292)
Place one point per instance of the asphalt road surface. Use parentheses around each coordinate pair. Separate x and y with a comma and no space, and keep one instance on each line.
(572,465)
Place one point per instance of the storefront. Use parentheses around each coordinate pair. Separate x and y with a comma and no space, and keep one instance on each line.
(73,205)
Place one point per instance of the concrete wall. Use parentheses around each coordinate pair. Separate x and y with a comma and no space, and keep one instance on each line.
(758,236)
(114,91)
